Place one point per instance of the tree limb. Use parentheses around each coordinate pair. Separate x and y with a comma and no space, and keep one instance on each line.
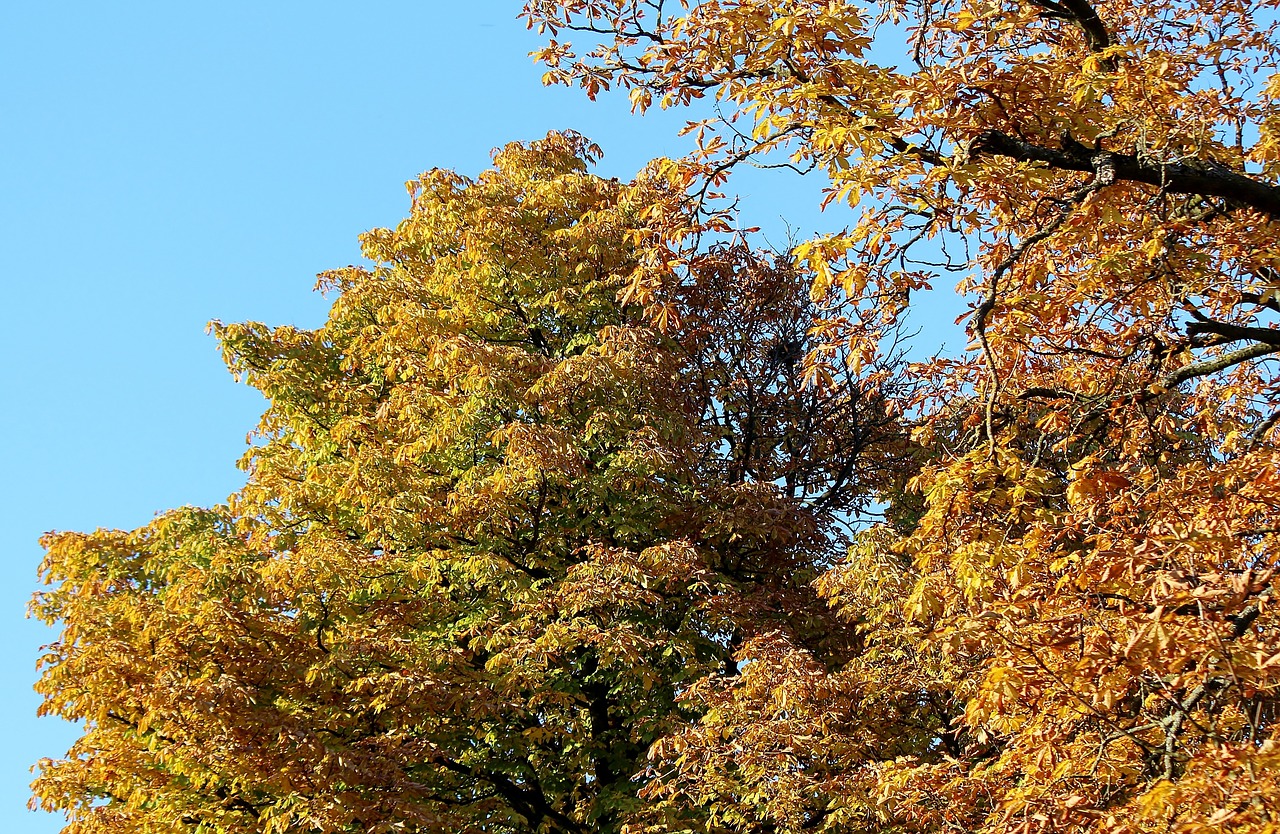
(1207,179)
(1086,18)
(1221,363)
(1235,332)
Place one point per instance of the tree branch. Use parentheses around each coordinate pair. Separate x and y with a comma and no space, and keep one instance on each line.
(1221,363)
(1086,18)
(1235,332)
(1203,178)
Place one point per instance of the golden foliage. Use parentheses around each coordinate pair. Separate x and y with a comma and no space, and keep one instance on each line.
(496,522)
(1067,626)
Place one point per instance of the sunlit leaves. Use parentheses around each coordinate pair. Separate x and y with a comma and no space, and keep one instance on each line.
(1074,593)
(542,471)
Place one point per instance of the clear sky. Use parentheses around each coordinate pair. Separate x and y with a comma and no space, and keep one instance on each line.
(165,164)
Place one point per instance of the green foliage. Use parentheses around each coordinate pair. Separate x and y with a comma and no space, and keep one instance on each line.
(497,525)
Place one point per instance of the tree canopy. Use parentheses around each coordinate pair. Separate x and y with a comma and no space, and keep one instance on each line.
(584,512)
(1073,635)
(496,523)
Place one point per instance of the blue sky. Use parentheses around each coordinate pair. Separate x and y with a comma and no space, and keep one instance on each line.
(168,164)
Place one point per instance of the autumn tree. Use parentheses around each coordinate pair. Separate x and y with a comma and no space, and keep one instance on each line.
(1070,626)
(524,489)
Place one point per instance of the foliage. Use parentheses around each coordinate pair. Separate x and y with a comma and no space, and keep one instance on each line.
(543,530)
(497,522)
(1070,629)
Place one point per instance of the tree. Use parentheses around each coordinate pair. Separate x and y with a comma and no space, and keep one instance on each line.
(498,520)
(1070,626)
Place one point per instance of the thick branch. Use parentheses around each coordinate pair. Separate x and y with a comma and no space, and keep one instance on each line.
(1084,16)
(1235,332)
(1240,623)
(529,802)
(1221,363)
(1207,179)
(1261,299)
(1173,724)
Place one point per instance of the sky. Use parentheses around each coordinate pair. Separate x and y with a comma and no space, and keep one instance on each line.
(168,164)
